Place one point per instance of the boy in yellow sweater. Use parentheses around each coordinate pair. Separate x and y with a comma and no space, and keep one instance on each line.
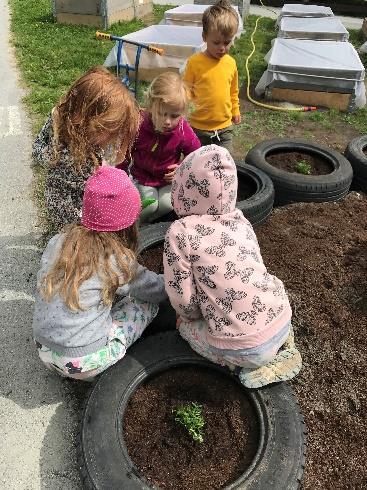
(212,78)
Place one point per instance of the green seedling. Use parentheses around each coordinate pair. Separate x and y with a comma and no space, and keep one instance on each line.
(302,167)
(147,202)
(191,417)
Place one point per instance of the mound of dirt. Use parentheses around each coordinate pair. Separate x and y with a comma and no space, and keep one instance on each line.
(319,251)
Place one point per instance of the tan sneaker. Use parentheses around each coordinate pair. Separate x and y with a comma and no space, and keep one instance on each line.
(285,366)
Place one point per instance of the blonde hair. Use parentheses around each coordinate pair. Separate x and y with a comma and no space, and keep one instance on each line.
(97,104)
(220,17)
(167,89)
(85,253)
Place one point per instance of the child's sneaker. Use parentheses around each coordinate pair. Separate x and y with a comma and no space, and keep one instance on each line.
(285,366)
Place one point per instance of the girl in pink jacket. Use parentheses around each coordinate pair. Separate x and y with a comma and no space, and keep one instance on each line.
(164,137)
(229,308)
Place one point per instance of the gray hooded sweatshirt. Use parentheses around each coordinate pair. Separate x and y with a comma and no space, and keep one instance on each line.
(82,332)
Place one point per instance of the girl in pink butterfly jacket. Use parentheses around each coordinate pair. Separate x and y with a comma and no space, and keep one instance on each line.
(229,308)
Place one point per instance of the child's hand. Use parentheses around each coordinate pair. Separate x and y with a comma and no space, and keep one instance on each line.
(168,177)
(236,119)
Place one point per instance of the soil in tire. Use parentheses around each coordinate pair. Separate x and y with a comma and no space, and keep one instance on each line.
(152,258)
(164,451)
(288,161)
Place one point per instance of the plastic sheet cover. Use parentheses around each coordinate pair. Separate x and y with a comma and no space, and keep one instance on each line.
(299,10)
(317,65)
(191,15)
(178,42)
(317,29)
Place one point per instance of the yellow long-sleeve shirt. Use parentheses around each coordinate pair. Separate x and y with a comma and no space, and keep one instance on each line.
(214,89)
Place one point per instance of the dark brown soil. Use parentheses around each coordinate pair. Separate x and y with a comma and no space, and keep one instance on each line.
(246,188)
(163,449)
(320,252)
(288,161)
(152,259)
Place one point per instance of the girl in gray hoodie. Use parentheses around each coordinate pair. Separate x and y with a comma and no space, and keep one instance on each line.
(84,270)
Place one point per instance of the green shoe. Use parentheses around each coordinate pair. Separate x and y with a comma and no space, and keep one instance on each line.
(285,366)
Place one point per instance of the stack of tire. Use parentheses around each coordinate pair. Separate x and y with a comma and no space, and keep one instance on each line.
(358,159)
(293,187)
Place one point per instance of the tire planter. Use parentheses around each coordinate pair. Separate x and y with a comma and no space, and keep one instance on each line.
(294,187)
(358,159)
(104,461)
(259,205)
(255,183)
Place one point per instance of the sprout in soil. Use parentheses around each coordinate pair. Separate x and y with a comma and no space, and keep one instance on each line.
(302,167)
(191,417)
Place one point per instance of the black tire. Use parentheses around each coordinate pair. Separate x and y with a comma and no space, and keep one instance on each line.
(103,457)
(259,205)
(294,187)
(354,153)
(255,208)
(151,235)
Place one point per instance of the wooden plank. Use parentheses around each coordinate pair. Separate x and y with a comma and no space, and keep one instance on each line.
(79,19)
(115,6)
(126,14)
(84,7)
(364,28)
(129,13)
(331,100)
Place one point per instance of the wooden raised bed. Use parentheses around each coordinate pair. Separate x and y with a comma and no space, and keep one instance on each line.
(100,13)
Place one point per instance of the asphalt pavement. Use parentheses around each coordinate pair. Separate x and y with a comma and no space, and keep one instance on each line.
(39,411)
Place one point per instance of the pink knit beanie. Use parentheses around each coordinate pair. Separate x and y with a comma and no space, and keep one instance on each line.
(111,202)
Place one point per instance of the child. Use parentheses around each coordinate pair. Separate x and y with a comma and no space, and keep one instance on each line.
(230,309)
(213,79)
(97,119)
(84,271)
(163,136)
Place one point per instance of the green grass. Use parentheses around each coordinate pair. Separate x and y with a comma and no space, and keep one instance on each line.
(52,56)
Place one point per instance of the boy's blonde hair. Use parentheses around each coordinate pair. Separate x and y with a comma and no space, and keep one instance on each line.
(221,17)
(97,111)
(167,89)
(85,253)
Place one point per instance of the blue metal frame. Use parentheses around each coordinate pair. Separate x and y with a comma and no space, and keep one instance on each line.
(125,79)
(128,68)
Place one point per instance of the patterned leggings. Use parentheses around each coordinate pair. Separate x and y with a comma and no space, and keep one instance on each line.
(162,205)
(195,333)
(130,317)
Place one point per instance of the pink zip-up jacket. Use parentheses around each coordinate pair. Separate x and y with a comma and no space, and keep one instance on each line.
(154,152)
(213,267)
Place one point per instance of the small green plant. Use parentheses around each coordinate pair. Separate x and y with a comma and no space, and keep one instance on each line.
(302,167)
(191,417)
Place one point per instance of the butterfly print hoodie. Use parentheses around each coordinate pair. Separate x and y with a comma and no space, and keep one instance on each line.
(213,268)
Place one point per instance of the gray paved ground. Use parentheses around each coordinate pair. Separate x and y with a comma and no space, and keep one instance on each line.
(38,411)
